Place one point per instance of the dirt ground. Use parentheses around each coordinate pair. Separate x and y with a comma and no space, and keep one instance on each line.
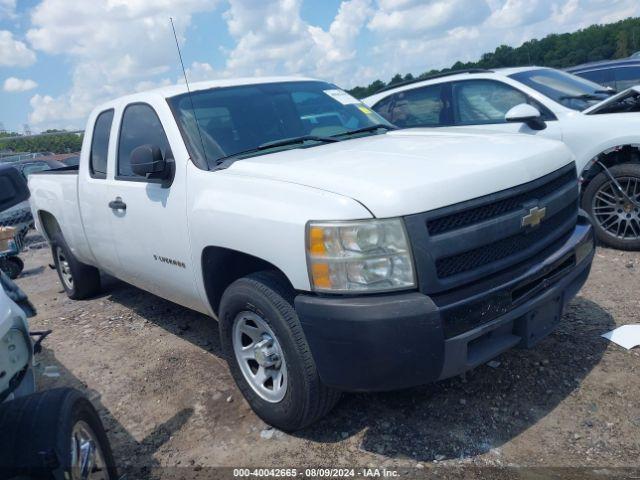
(156,373)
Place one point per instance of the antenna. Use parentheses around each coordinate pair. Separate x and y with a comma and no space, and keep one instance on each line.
(193,109)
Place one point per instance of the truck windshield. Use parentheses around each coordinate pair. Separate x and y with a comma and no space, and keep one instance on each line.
(249,120)
(567,89)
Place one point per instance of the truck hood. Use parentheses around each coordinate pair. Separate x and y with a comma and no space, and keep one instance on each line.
(598,107)
(411,171)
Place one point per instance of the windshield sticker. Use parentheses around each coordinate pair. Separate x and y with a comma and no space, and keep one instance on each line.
(364,110)
(341,96)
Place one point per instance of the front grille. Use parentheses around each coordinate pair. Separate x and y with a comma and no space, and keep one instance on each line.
(465,218)
(464,243)
(504,248)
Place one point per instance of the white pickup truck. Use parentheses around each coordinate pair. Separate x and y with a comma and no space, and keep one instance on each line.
(335,253)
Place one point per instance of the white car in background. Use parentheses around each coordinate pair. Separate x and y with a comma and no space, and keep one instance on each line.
(601,128)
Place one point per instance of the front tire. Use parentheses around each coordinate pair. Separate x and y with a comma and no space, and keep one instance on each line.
(268,355)
(79,281)
(616,219)
(54,434)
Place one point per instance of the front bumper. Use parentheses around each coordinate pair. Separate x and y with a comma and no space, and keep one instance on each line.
(387,342)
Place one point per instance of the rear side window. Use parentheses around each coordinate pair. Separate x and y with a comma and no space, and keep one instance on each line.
(100,145)
(140,126)
(626,77)
(602,77)
(420,107)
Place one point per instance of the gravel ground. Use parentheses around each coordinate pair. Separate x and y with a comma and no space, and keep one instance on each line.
(155,372)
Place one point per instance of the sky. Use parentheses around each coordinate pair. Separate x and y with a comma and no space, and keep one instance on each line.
(61,58)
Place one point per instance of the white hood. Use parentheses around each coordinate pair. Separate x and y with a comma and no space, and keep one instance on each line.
(411,171)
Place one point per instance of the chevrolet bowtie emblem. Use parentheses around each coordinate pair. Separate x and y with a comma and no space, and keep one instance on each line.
(534,217)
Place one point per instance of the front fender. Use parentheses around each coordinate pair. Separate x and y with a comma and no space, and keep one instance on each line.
(260,217)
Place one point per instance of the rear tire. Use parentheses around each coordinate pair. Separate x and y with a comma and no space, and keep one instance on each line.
(79,280)
(616,220)
(38,432)
(12,266)
(267,299)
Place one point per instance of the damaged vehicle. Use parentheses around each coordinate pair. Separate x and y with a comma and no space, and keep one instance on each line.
(336,253)
(53,434)
(600,126)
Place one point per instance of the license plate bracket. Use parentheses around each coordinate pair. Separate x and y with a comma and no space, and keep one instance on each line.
(539,322)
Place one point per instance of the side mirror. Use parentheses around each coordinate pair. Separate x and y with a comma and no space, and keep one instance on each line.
(13,188)
(525,113)
(147,161)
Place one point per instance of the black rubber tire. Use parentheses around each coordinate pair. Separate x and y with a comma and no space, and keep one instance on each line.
(12,266)
(307,399)
(86,279)
(623,170)
(36,434)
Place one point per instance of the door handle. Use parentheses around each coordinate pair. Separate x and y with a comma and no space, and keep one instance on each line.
(117,204)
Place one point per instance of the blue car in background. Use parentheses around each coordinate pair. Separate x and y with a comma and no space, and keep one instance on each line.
(616,74)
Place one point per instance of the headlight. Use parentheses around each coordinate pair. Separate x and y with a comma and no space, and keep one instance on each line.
(363,255)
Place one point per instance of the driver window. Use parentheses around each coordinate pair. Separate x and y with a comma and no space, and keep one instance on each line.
(140,126)
(484,101)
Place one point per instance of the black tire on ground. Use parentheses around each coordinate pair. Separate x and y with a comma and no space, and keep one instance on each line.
(12,266)
(600,181)
(85,279)
(37,435)
(306,399)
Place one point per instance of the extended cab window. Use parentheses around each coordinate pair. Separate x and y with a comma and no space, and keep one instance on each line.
(100,145)
(420,107)
(140,126)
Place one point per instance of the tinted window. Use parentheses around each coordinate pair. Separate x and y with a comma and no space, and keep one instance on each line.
(626,77)
(419,107)
(235,121)
(567,89)
(602,77)
(100,145)
(140,126)
(484,101)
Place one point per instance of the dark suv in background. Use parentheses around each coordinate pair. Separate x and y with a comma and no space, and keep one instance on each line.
(616,74)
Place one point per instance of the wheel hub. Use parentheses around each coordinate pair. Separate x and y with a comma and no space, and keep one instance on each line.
(259,356)
(265,353)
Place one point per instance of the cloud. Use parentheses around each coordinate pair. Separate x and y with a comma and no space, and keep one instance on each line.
(114,48)
(14,53)
(13,84)
(417,35)
(7,8)
(272,38)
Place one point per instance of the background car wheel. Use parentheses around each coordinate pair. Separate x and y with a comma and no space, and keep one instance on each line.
(616,215)
(54,434)
(268,354)
(79,280)
(12,266)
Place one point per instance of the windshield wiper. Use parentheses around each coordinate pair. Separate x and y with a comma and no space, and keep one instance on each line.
(295,140)
(370,128)
(278,143)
